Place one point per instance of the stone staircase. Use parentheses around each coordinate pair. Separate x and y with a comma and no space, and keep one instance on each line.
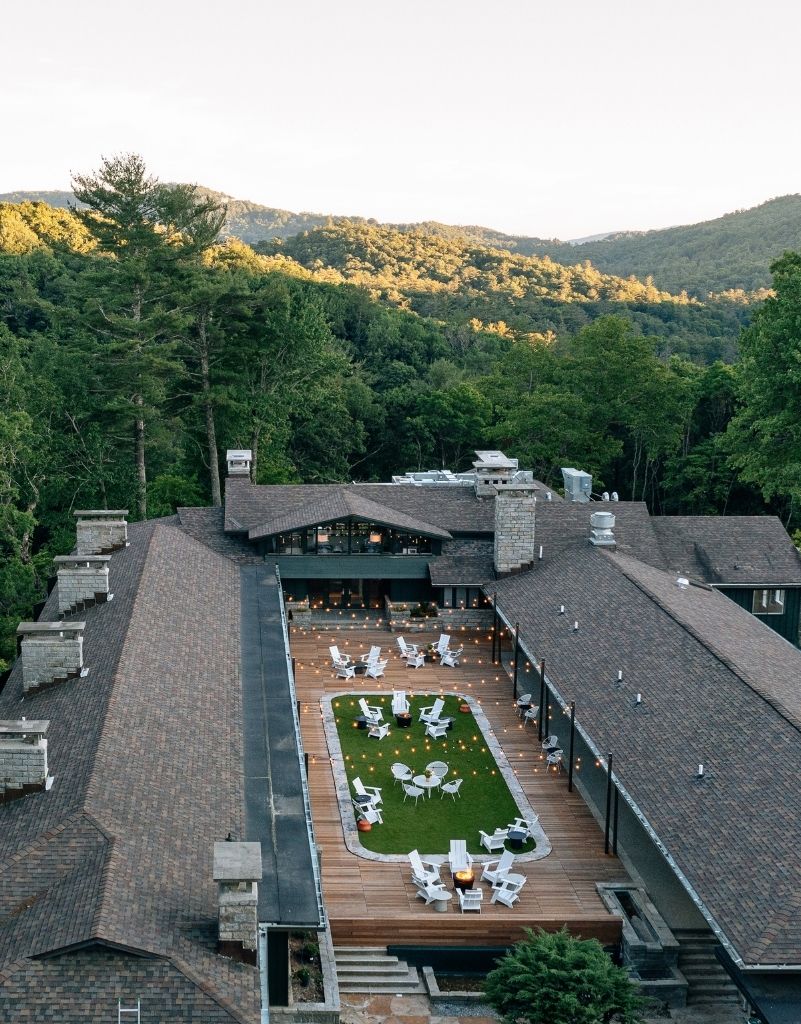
(370,969)
(707,980)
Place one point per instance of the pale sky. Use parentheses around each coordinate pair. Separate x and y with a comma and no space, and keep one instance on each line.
(537,117)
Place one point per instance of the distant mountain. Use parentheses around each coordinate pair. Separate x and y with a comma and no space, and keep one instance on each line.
(729,253)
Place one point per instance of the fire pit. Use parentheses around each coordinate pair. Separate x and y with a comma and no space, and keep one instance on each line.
(463,879)
(403,719)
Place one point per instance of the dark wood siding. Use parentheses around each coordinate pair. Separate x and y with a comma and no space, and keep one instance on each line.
(786,625)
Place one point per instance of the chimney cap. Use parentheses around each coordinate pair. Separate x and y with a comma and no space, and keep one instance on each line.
(51,627)
(102,513)
(239,454)
(237,862)
(18,727)
(78,559)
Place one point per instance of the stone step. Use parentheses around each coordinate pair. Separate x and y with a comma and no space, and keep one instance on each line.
(370,969)
(349,960)
(375,969)
(360,949)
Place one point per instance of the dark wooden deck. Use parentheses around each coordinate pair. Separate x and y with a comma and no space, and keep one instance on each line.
(373,903)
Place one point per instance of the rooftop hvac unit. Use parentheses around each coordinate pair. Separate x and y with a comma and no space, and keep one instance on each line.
(578,484)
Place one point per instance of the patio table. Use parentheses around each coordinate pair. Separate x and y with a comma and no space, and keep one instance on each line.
(427,783)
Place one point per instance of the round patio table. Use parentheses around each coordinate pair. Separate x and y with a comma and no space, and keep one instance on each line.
(429,784)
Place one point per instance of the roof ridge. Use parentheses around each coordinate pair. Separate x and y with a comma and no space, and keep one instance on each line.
(705,642)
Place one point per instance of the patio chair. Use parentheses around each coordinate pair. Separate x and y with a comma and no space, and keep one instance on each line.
(372,655)
(367,812)
(458,857)
(431,893)
(530,715)
(401,772)
(507,890)
(451,658)
(438,768)
(554,760)
(400,702)
(410,790)
(336,656)
(345,671)
(405,649)
(375,669)
(495,842)
(415,660)
(441,645)
(451,788)
(424,872)
(367,794)
(371,712)
(550,743)
(432,713)
(496,870)
(524,825)
(437,730)
(523,702)
(470,899)
(378,732)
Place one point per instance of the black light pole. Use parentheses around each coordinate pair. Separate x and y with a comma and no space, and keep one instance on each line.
(614,833)
(495,637)
(517,658)
(608,802)
(572,737)
(542,699)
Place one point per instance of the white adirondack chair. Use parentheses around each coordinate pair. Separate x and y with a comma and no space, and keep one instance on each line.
(405,649)
(496,870)
(371,712)
(432,712)
(367,794)
(441,646)
(372,655)
(436,730)
(458,857)
(470,899)
(400,703)
(367,812)
(424,872)
(507,890)
(375,669)
(416,660)
(378,732)
(495,842)
(451,658)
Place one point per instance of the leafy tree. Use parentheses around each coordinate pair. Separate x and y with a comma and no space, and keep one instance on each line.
(764,436)
(552,978)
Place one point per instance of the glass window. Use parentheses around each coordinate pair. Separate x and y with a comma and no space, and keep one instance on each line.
(768,602)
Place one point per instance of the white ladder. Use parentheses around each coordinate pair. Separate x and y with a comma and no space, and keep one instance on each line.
(129,1009)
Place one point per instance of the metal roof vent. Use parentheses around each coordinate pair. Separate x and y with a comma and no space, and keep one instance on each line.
(578,484)
(682,582)
(239,460)
(601,529)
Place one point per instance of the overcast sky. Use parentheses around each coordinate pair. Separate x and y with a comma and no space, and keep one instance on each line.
(542,117)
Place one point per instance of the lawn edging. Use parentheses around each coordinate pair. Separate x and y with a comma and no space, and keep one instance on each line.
(342,786)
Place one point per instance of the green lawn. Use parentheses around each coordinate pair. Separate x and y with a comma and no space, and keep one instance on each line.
(485,801)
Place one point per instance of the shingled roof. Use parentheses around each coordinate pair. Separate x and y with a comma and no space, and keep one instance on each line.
(453,509)
(719,688)
(343,503)
(146,754)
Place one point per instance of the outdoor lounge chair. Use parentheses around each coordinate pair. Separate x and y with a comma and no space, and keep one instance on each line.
(432,893)
(367,794)
(524,825)
(495,842)
(424,872)
(451,658)
(432,713)
(400,702)
(507,890)
(416,660)
(437,730)
(372,655)
(345,671)
(411,790)
(470,899)
(375,669)
(405,649)
(441,646)
(371,712)
(496,870)
(458,857)
(401,772)
(367,812)
(451,788)
(378,732)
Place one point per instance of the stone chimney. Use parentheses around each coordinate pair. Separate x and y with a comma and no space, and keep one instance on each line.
(492,468)
(82,581)
(515,506)
(601,529)
(239,461)
(23,758)
(51,652)
(100,531)
(237,870)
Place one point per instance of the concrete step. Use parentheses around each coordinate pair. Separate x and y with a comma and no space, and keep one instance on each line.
(371,970)
(376,970)
(357,959)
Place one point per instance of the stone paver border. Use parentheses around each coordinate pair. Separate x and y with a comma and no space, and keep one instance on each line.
(351,833)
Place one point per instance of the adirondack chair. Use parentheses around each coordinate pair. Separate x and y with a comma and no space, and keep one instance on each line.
(378,732)
(441,646)
(375,669)
(371,712)
(506,891)
(367,794)
(424,872)
(496,870)
(405,649)
(470,899)
(372,655)
(495,842)
(432,712)
(451,658)
(367,812)
(436,730)
(458,857)
(416,660)
(400,702)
